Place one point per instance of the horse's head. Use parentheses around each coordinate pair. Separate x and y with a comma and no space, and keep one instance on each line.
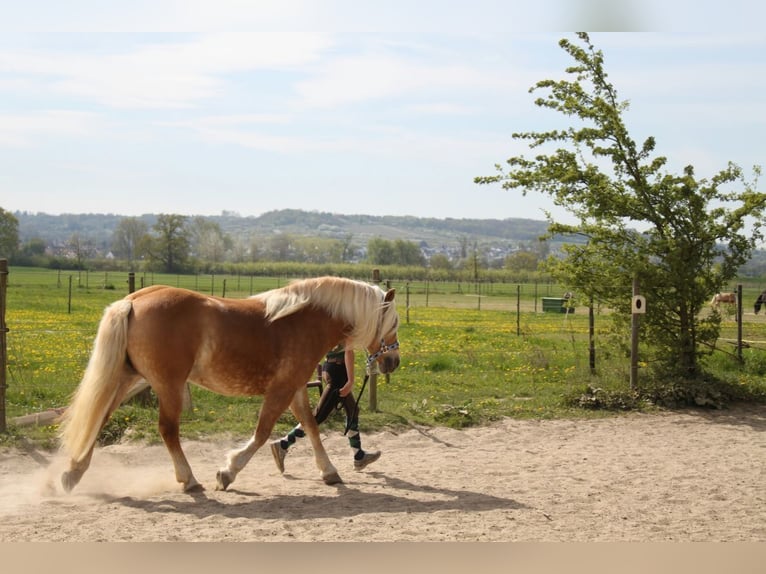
(385,349)
(759,301)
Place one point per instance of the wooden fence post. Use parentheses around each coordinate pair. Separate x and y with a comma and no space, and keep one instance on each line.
(591,338)
(634,328)
(3,341)
(739,322)
(407,301)
(69,297)
(373,368)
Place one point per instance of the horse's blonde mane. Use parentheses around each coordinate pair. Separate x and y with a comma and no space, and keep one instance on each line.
(357,303)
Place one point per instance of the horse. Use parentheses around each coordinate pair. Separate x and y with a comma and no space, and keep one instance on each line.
(268,344)
(727,298)
(761,300)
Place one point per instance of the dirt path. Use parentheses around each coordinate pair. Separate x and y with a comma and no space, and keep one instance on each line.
(694,476)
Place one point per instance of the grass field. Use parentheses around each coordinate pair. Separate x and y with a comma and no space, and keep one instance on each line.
(468,357)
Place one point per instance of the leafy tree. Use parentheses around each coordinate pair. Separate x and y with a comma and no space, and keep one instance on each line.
(80,249)
(681,237)
(129,237)
(319,249)
(463,241)
(239,249)
(35,247)
(476,262)
(380,251)
(347,248)
(440,261)
(9,234)
(399,252)
(408,253)
(521,261)
(280,247)
(170,246)
(207,241)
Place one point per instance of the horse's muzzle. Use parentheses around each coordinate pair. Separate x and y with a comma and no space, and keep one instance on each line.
(388,363)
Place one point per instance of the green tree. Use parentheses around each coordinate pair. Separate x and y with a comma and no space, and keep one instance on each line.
(347,248)
(399,252)
(280,247)
(129,237)
(319,249)
(207,240)
(408,253)
(380,251)
(35,247)
(80,249)
(681,237)
(521,261)
(9,234)
(170,246)
(463,242)
(441,262)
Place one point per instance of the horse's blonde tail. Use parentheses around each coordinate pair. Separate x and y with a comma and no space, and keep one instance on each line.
(94,397)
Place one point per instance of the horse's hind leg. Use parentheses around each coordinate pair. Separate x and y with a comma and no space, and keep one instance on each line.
(171,404)
(71,477)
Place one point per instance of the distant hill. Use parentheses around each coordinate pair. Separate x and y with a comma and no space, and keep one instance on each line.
(438,234)
(100,227)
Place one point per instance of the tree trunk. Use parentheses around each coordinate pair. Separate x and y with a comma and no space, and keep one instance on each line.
(687,344)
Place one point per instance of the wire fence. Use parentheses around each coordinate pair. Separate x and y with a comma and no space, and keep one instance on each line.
(52,317)
(48,318)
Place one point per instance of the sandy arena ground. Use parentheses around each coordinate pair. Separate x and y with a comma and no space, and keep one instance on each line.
(691,476)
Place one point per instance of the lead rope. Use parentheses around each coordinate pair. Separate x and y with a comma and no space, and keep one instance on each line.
(370,360)
(356,406)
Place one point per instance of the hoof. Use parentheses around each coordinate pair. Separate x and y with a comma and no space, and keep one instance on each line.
(196,487)
(68,481)
(332,478)
(223,480)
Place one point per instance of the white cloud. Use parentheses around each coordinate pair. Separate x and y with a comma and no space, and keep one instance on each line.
(173,74)
(167,16)
(443,109)
(23,130)
(379,76)
(382,142)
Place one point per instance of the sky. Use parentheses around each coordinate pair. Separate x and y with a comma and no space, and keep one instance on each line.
(196,107)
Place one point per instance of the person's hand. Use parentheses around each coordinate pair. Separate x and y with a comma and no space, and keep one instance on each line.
(346,389)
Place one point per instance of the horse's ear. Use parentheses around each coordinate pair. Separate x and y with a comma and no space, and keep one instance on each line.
(389,295)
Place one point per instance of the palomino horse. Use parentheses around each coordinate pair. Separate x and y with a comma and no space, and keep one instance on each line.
(760,301)
(266,345)
(727,298)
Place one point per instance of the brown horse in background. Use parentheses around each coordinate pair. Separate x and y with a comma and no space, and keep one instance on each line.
(266,345)
(761,300)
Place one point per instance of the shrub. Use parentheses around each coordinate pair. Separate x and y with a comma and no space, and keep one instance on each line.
(704,391)
(596,398)
(117,426)
(455,417)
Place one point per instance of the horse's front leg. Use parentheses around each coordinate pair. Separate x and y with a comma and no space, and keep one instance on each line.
(301,408)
